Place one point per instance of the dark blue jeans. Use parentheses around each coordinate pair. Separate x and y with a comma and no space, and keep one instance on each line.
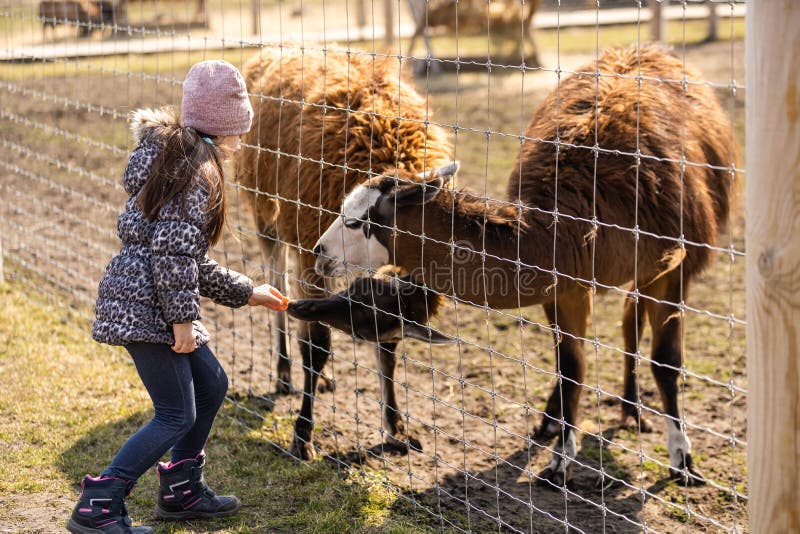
(187,391)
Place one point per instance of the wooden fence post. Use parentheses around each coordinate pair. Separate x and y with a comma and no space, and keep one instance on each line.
(713,22)
(2,273)
(361,14)
(255,13)
(388,14)
(773,265)
(658,20)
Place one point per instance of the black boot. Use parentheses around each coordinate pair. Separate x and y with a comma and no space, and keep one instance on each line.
(183,493)
(101,508)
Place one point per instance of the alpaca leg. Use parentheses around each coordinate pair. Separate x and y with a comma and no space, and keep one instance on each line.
(310,285)
(573,313)
(531,58)
(667,325)
(315,341)
(570,315)
(550,426)
(274,257)
(315,347)
(533,7)
(393,425)
(632,324)
(418,14)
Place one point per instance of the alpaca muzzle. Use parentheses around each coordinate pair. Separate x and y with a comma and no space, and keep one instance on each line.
(321,310)
(364,321)
(329,267)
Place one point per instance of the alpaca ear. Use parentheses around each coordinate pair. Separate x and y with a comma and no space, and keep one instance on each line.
(425,333)
(445,172)
(415,193)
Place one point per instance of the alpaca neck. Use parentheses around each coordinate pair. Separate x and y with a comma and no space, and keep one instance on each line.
(503,277)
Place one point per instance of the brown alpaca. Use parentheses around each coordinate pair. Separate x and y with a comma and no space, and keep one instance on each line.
(541,246)
(323,124)
(81,13)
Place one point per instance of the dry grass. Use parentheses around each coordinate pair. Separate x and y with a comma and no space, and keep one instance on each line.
(507,367)
(69,403)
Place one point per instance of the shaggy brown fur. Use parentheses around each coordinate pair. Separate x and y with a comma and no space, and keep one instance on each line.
(543,258)
(354,113)
(672,126)
(323,122)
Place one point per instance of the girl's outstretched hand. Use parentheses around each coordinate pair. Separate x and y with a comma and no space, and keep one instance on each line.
(268,296)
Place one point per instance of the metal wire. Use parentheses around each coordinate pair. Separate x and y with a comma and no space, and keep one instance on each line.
(474,406)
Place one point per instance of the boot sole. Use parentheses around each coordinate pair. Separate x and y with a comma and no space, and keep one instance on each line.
(188,514)
(76,528)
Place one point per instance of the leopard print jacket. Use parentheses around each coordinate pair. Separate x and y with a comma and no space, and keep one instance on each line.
(162,268)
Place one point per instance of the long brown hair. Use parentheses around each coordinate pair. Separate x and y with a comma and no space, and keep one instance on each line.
(186,157)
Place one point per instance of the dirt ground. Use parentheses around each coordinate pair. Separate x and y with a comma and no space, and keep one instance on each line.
(63,142)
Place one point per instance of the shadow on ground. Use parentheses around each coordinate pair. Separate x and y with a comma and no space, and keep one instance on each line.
(278,494)
(508,498)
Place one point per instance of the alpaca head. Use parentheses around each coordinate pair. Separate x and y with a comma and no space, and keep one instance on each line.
(376,309)
(360,239)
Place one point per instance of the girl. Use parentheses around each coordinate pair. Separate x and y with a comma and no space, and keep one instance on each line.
(149,298)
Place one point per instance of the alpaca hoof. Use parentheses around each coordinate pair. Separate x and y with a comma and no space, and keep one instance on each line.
(421,68)
(554,478)
(686,475)
(399,446)
(283,388)
(629,421)
(325,385)
(302,449)
(533,62)
(348,459)
(414,444)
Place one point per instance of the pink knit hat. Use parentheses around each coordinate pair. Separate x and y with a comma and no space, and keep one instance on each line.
(215,99)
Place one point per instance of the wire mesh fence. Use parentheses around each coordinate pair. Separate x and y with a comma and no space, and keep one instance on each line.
(590,232)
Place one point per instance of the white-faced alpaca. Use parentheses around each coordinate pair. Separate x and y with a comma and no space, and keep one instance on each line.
(655,223)
(324,122)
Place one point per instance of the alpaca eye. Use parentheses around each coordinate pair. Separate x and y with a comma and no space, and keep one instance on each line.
(352,223)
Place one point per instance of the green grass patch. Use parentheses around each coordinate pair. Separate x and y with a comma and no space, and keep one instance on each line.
(69,403)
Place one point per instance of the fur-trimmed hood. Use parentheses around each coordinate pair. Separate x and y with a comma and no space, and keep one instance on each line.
(150,124)
(149,128)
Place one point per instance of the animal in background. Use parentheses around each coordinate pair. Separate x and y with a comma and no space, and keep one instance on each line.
(86,15)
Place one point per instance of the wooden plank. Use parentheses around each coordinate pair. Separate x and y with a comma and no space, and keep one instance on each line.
(773,265)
